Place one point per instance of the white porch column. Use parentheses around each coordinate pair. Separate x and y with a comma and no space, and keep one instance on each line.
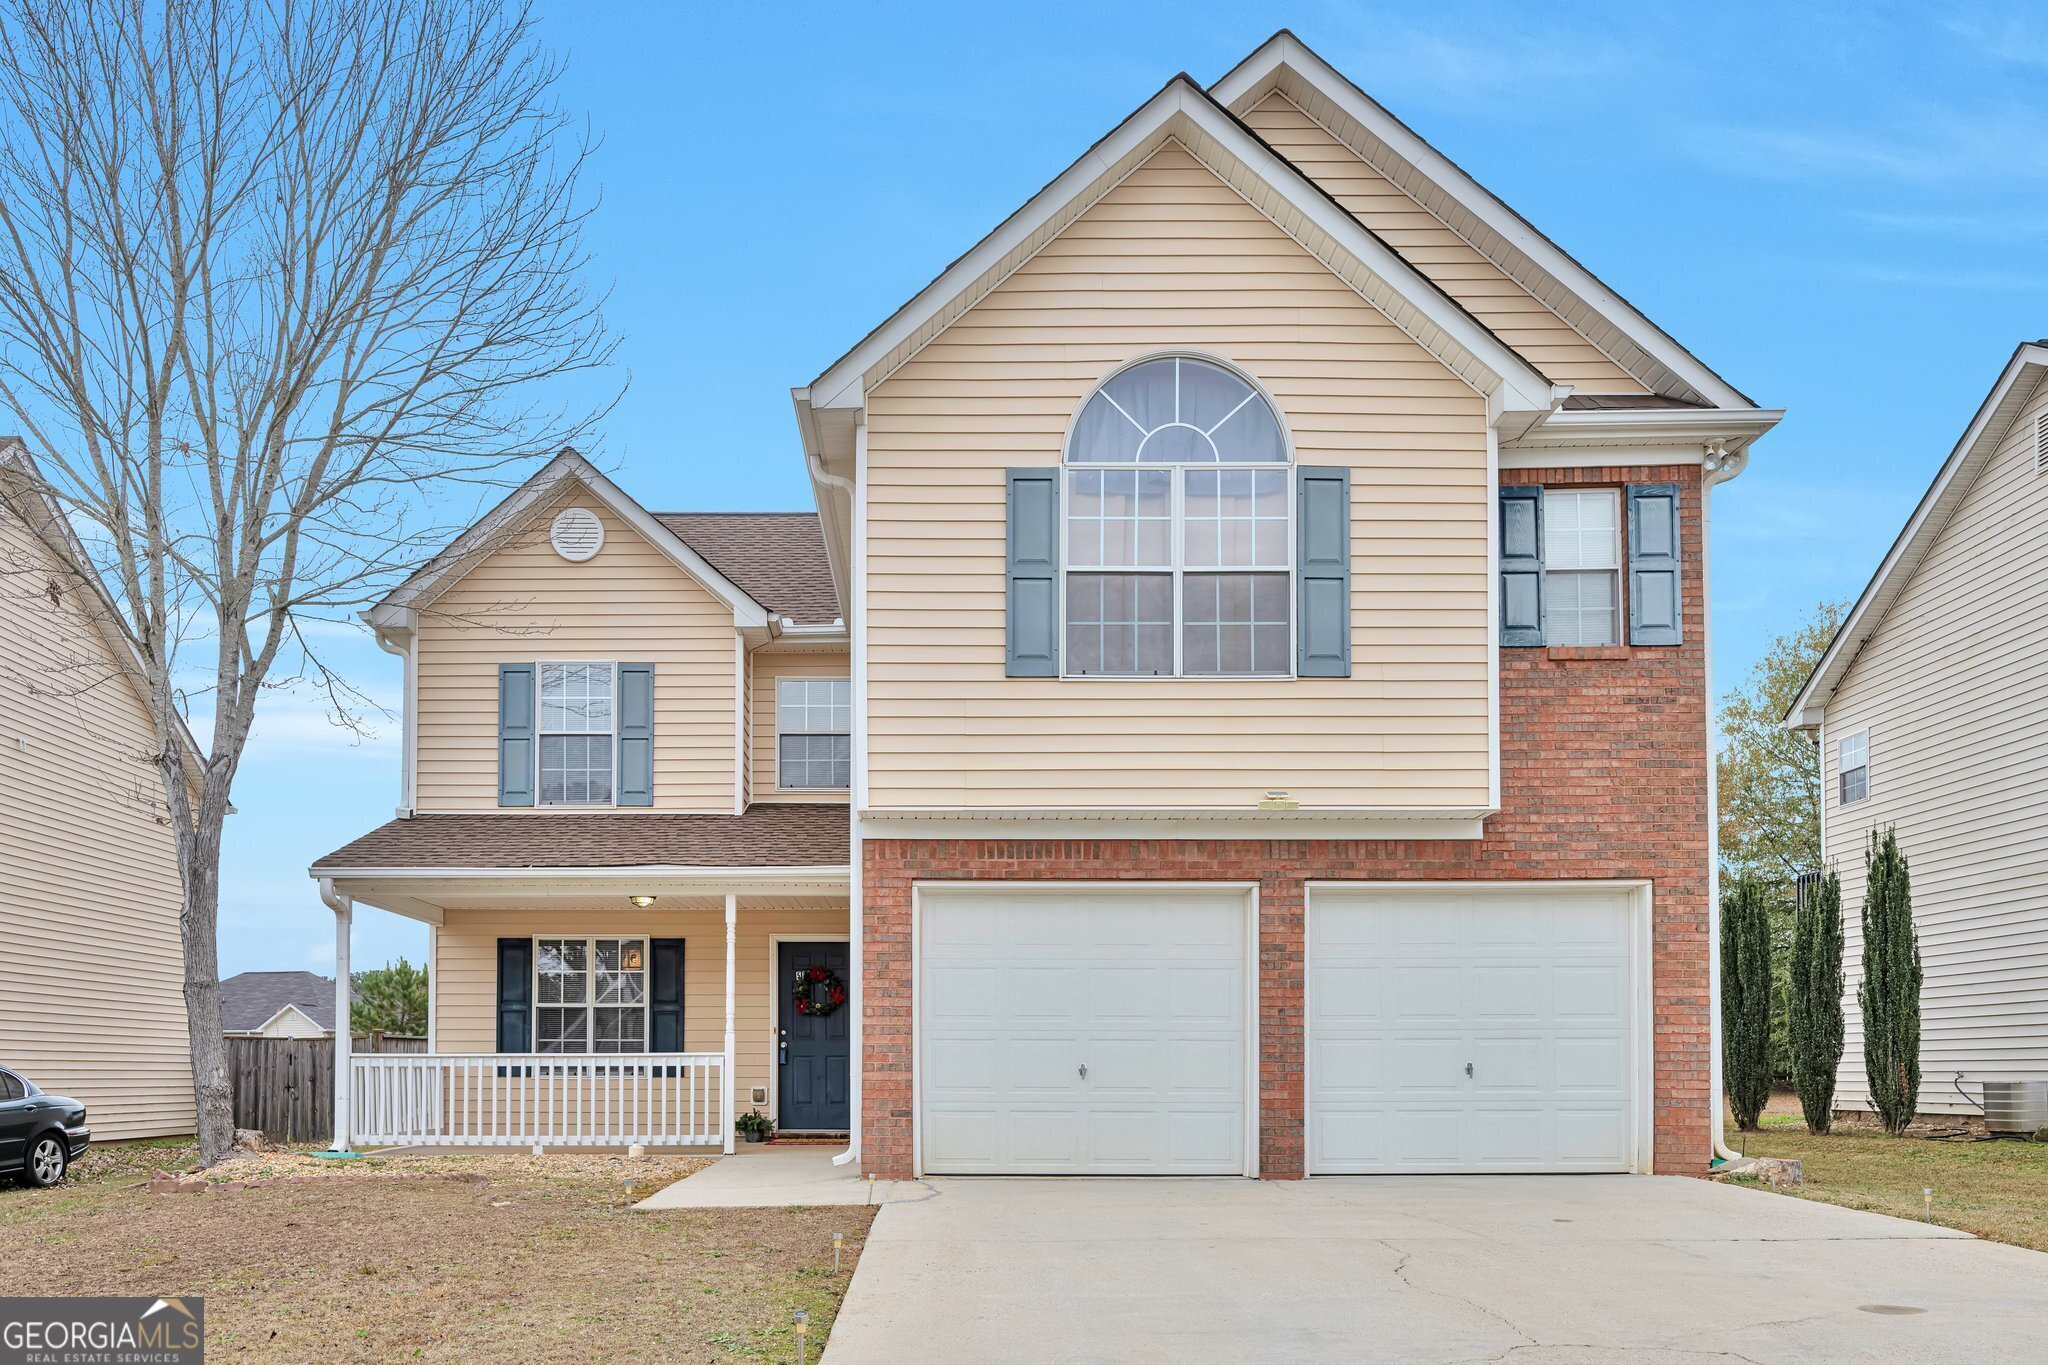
(343,909)
(732,925)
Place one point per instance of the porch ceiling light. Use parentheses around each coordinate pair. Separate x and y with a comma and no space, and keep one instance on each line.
(642,901)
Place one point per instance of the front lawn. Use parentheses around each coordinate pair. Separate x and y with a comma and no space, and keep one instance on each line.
(490,1257)
(1997,1190)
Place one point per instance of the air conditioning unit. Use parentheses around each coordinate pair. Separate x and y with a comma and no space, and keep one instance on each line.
(2015,1106)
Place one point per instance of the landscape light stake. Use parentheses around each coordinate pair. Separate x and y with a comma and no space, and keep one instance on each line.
(803,1326)
(838,1238)
(871,1189)
(1927,1204)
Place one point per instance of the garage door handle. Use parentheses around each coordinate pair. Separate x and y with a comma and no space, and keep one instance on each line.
(1468,1068)
(1084,1071)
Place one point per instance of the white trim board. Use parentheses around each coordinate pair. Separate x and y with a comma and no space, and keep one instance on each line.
(1980,440)
(1511,242)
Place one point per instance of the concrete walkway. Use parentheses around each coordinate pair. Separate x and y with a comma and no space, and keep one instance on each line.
(768,1176)
(1526,1269)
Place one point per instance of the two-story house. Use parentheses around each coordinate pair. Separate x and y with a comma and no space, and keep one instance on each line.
(1259,594)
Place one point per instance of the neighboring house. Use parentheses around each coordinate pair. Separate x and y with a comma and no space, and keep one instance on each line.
(91,967)
(277,1005)
(1930,708)
(1257,618)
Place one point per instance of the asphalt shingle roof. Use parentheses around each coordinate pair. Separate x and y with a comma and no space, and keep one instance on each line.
(776,558)
(248,1000)
(768,835)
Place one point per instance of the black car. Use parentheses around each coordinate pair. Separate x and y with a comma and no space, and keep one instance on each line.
(40,1135)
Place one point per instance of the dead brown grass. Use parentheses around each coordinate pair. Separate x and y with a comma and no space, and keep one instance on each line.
(518,1258)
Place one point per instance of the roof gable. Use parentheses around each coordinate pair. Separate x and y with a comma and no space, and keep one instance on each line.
(1185,113)
(249,1000)
(1286,64)
(519,510)
(2017,383)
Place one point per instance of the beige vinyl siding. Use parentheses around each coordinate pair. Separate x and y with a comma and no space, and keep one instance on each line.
(1172,258)
(1953,689)
(1514,314)
(91,970)
(467,985)
(769,667)
(631,603)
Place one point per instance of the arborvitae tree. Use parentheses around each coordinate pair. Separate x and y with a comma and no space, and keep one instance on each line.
(1816,1000)
(1746,1000)
(1890,991)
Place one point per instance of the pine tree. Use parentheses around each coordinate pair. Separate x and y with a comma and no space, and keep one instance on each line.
(1890,990)
(1816,1000)
(1746,1000)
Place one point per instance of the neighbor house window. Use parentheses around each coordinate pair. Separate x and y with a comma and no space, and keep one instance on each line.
(576,734)
(814,734)
(590,994)
(1582,566)
(1852,767)
(1179,527)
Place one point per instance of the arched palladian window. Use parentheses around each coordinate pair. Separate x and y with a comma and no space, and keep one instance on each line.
(1179,530)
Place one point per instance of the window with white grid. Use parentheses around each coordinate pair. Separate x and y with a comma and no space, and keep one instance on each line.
(1179,527)
(814,734)
(590,994)
(1852,768)
(1582,566)
(576,734)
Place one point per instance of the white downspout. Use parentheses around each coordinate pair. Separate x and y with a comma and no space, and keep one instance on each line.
(343,909)
(409,722)
(1719,467)
(732,922)
(857,641)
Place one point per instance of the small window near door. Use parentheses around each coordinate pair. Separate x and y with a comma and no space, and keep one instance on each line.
(1582,566)
(814,734)
(1852,767)
(590,994)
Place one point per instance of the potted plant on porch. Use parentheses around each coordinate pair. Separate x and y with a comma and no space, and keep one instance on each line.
(754,1126)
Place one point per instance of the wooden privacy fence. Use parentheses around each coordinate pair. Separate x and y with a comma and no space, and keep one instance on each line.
(284,1087)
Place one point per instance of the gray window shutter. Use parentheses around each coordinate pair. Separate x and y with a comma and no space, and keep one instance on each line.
(1521,566)
(515,734)
(1322,572)
(515,995)
(636,735)
(1032,602)
(1655,611)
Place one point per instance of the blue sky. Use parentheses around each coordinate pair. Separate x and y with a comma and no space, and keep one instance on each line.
(1843,209)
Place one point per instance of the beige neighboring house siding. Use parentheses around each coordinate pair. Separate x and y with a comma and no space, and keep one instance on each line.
(1172,258)
(1514,314)
(466,985)
(630,603)
(91,970)
(770,666)
(1953,689)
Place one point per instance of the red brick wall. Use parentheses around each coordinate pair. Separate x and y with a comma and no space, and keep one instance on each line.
(1603,775)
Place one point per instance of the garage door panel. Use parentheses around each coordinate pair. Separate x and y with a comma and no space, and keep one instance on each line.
(1533,987)
(1146,988)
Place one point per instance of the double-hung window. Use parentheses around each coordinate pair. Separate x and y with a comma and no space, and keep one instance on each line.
(576,734)
(1852,768)
(1179,528)
(814,734)
(1582,565)
(590,994)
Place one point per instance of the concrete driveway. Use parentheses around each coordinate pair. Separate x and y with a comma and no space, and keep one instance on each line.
(1529,1269)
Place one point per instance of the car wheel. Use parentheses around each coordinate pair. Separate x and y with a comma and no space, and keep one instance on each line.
(46,1162)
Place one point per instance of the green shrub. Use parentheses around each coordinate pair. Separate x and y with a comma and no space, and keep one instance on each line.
(1890,991)
(1815,1004)
(1746,1000)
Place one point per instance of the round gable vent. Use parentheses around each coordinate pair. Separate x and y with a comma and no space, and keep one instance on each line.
(577,534)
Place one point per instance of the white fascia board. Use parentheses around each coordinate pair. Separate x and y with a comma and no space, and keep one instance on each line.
(452,564)
(1175,823)
(1262,72)
(1183,110)
(1993,419)
(1567,427)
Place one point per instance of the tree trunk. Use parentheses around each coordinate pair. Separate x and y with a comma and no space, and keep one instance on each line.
(199,928)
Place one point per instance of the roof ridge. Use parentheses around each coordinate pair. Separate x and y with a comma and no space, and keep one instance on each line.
(779,512)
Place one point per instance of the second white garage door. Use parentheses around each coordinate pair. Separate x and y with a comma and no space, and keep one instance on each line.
(1472,1030)
(1083,1032)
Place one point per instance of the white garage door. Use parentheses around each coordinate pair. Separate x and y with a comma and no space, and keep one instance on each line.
(1482,1030)
(1082,1032)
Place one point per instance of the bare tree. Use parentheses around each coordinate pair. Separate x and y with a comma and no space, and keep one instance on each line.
(273,274)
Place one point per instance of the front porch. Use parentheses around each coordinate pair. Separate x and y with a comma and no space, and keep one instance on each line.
(605,1007)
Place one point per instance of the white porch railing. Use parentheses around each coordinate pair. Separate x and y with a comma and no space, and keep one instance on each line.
(519,1100)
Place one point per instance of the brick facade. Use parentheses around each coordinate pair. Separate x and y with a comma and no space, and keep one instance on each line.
(1603,776)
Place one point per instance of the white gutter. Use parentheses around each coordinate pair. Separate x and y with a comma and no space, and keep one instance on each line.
(1722,465)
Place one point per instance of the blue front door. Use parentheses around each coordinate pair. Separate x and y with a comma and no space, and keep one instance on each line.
(814,1048)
